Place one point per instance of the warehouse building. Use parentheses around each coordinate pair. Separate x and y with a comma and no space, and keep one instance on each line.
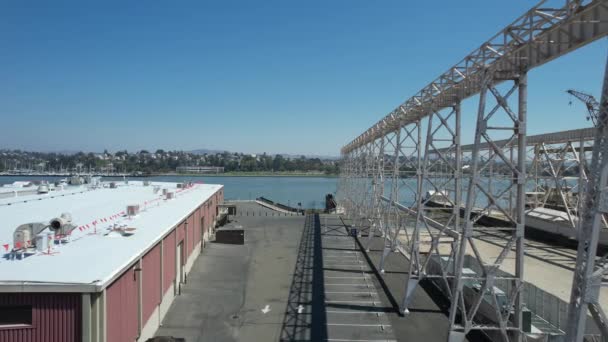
(99,264)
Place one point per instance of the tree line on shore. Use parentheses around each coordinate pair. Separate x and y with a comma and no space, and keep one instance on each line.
(159,161)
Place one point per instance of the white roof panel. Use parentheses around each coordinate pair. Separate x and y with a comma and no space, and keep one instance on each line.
(91,257)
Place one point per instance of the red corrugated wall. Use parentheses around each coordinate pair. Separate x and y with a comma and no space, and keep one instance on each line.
(168,261)
(191,236)
(56,317)
(121,304)
(201,215)
(197,226)
(208,219)
(209,209)
(180,233)
(209,212)
(188,239)
(151,282)
(214,202)
(123,293)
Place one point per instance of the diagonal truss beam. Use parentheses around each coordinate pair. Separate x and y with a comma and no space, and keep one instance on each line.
(547,31)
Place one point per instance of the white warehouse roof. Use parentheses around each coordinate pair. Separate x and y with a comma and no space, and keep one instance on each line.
(91,259)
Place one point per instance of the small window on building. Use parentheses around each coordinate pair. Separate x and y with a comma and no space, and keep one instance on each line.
(15,315)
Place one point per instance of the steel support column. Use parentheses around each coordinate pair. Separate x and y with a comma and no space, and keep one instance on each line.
(505,323)
(376,216)
(588,275)
(391,213)
(440,172)
(405,191)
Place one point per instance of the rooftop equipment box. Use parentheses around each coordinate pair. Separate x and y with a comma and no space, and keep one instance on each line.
(166,339)
(230,235)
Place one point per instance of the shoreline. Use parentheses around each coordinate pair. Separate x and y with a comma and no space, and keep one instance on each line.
(252,174)
(227,174)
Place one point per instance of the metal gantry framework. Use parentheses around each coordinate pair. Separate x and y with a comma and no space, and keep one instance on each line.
(440,181)
(409,180)
(404,182)
(507,315)
(557,163)
(376,165)
(557,174)
(589,275)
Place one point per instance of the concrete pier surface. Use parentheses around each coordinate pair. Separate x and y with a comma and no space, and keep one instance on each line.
(230,285)
(296,278)
(548,265)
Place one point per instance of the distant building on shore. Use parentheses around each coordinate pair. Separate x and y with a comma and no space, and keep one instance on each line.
(199,169)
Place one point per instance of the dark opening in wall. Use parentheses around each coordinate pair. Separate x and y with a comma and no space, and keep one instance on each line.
(15,315)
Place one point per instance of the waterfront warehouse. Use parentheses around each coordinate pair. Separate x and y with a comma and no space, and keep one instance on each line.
(99,263)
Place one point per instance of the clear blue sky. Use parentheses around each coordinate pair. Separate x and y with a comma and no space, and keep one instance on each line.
(252,76)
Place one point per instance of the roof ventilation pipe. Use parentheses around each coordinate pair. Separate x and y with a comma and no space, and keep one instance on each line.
(132,210)
(24,235)
(43,188)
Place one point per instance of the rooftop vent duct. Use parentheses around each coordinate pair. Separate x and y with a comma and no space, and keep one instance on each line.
(24,235)
(132,210)
(43,189)
(43,241)
(112,185)
(169,195)
(62,225)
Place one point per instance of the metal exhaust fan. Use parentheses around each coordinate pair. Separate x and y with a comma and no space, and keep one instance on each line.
(62,225)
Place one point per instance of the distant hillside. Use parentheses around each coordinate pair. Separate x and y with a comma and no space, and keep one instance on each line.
(207,151)
(292,156)
(202,151)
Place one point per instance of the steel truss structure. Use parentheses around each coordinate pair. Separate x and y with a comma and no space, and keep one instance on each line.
(557,191)
(589,275)
(553,158)
(411,188)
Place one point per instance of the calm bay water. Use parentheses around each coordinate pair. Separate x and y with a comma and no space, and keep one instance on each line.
(310,191)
